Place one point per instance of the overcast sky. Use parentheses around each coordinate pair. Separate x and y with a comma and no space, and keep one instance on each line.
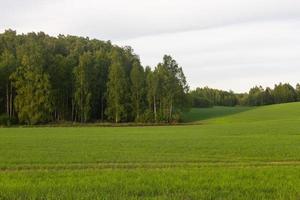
(226,44)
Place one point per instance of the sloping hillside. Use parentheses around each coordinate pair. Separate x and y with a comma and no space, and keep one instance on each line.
(288,111)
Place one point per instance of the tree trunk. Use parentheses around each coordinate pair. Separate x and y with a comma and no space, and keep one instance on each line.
(11,101)
(72,111)
(102,108)
(66,114)
(137,108)
(75,113)
(81,107)
(7,100)
(116,117)
(154,108)
(170,112)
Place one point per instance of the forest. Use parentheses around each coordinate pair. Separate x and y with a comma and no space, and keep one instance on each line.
(67,78)
(45,79)
(257,96)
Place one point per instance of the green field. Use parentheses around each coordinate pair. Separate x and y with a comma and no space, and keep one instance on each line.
(225,153)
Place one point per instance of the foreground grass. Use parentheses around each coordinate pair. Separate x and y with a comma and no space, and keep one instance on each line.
(241,154)
(170,183)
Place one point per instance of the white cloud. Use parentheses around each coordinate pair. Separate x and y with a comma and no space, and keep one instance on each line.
(231,57)
(133,18)
(221,43)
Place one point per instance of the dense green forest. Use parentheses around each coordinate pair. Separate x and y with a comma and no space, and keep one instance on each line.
(68,78)
(257,96)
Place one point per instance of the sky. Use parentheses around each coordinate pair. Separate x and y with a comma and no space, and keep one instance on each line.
(225,44)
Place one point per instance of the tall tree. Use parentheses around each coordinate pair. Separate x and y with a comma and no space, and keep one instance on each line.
(298,91)
(152,91)
(100,77)
(137,88)
(268,96)
(116,89)
(32,85)
(7,67)
(284,93)
(82,95)
(255,97)
(172,86)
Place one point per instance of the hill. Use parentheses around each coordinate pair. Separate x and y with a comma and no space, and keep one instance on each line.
(217,115)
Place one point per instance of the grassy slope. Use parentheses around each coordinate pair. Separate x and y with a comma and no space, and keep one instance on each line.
(218,115)
(200,115)
(238,153)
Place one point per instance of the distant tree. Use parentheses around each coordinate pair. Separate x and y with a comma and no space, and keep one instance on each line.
(256,97)
(213,97)
(242,99)
(200,102)
(268,96)
(229,98)
(284,93)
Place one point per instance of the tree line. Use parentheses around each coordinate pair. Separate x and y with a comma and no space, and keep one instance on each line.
(257,96)
(281,93)
(68,78)
(208,97)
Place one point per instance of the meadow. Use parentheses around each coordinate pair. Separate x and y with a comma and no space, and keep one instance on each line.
(223,153)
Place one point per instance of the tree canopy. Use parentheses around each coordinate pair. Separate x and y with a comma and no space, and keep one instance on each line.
(68,78)
(257,96)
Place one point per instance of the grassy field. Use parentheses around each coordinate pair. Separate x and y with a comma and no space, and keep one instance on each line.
(229,153)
